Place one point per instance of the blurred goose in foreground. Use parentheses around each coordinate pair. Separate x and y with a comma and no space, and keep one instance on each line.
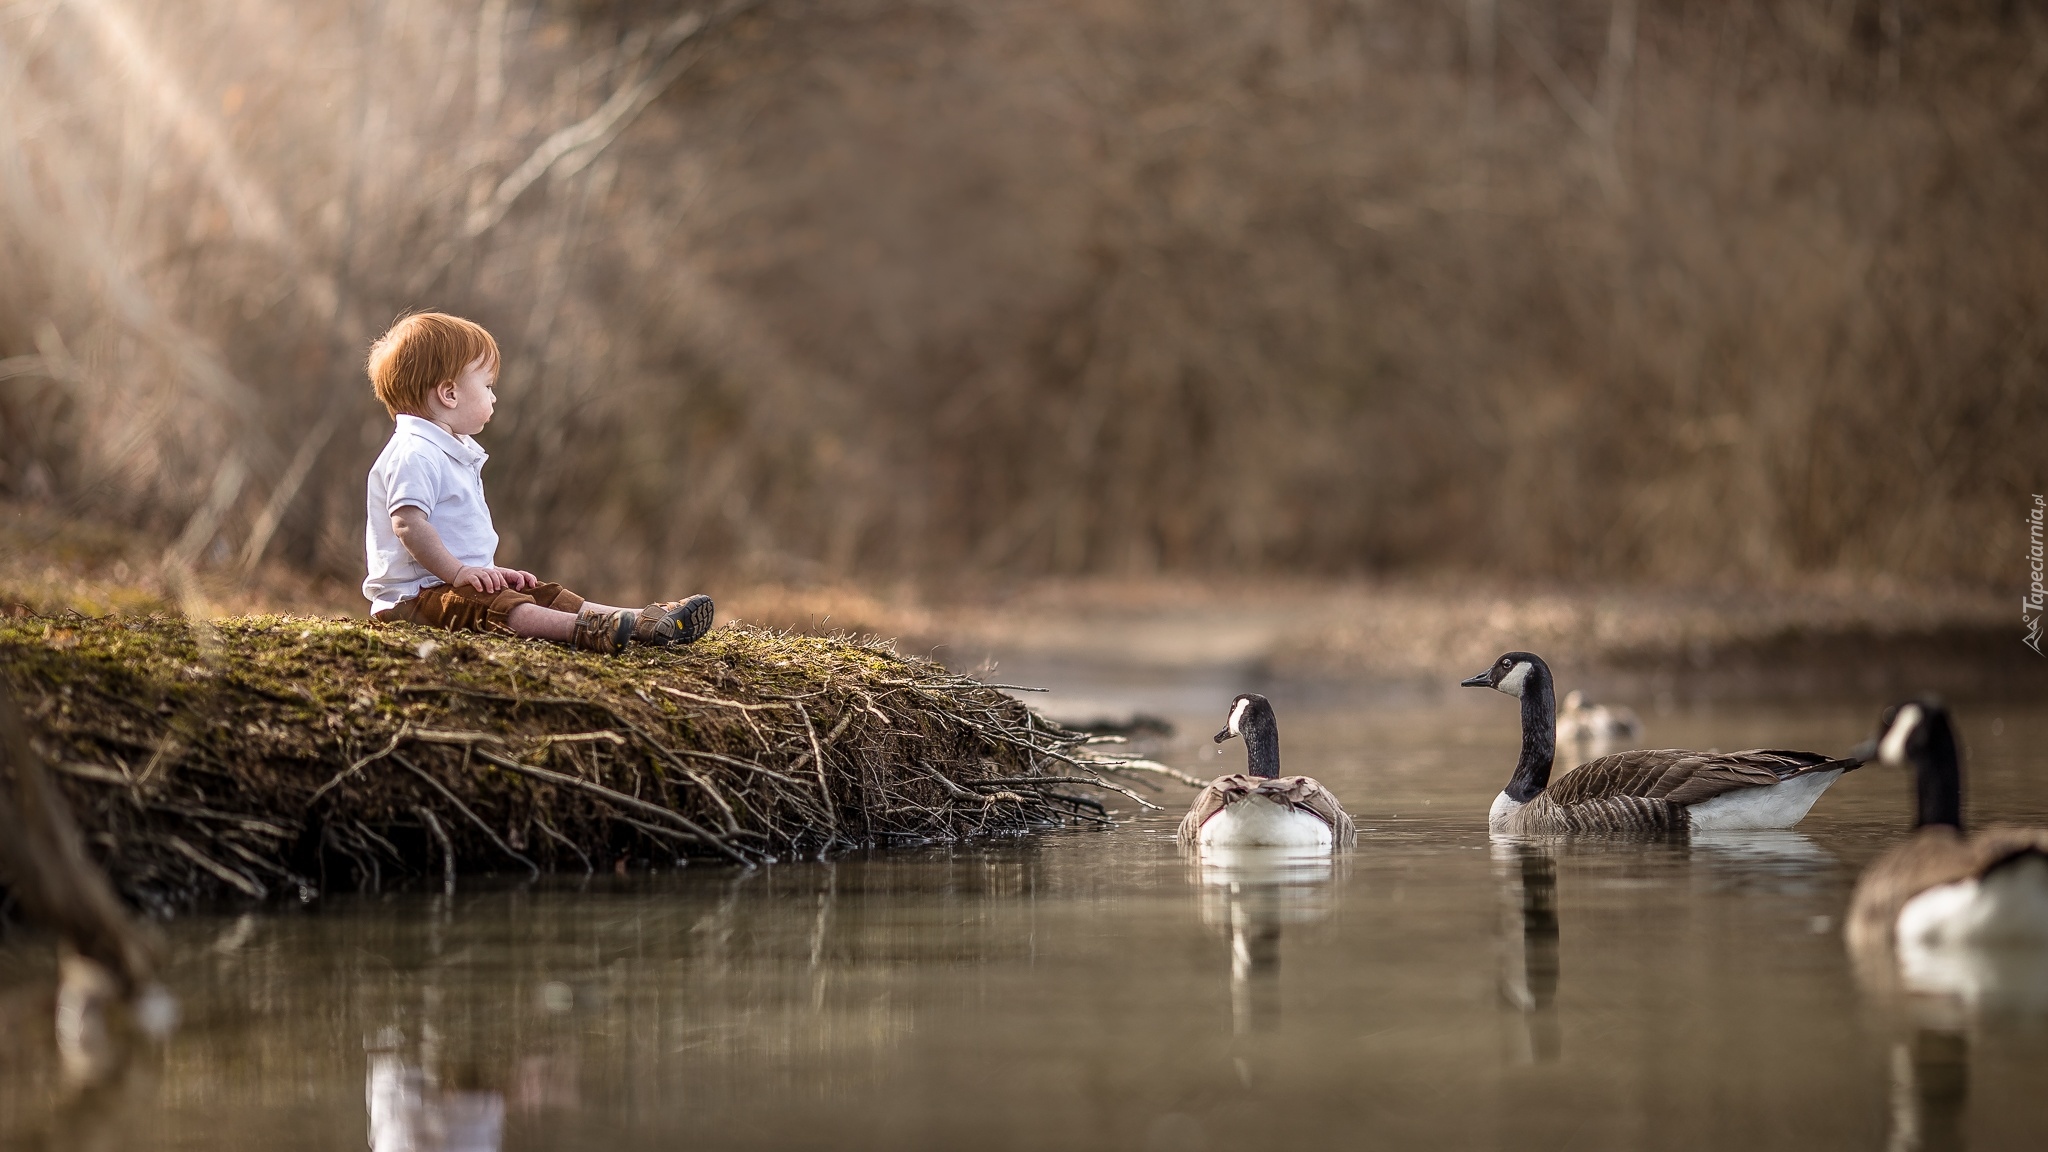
(1649,789)
(1262,808)
(1943,886)
(1581,719)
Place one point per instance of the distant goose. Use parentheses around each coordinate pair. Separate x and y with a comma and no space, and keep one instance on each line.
(1943,886)
(1264,808)
(1647,790)
(1580,719)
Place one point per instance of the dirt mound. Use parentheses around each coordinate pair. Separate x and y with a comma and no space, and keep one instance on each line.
(269,754)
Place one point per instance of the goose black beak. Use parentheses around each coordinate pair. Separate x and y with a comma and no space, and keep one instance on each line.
(1866,751)
(1223,735)
(1483,680)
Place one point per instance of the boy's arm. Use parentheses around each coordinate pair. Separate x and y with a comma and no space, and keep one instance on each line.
(417,533)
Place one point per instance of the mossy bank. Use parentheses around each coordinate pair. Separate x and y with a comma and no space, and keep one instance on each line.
(269,755)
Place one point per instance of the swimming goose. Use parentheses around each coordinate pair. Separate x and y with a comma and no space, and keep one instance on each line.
(1580,719)
(1943,886)
(1263,808)
(1649,789)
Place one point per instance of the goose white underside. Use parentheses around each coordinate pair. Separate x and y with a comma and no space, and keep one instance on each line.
(1985,942)
(1255,821)
(2008,906)
(1755,809)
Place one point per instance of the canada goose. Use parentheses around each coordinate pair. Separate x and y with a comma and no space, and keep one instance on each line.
(1945,887)
(1649,789)
(1581,719)
(1263,808)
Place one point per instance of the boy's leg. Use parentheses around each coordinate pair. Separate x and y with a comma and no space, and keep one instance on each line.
(537,623)
(657,625)
(551,612)
(545,612)
(563,616)
(534,622)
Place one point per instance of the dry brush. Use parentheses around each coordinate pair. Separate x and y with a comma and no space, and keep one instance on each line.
(280,755)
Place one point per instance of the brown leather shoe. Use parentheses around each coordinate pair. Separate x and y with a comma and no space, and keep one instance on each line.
(674,622)
(603,632)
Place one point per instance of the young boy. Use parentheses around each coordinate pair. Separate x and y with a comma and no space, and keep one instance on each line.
(431,548)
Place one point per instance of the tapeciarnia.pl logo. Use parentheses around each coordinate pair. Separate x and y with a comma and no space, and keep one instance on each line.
(2035,602)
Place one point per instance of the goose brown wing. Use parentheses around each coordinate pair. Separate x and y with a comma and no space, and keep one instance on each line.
(2002,843)
(1680,777)
(1615,815)
(1220,792)
(1308,794)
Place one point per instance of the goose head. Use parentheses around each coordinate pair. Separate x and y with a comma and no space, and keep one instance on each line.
(1918,735)
(1514,673)
(1526,677)
(1906,734)
(1251,717)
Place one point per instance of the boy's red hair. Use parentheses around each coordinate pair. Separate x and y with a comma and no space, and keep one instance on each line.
(420,353)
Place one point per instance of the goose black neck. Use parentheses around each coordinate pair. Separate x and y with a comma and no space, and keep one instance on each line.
(1937,776)
(1261,745)
(1539,737)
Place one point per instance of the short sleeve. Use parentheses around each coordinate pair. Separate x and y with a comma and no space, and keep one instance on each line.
(414,481)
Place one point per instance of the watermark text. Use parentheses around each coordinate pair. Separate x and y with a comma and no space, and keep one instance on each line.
(2035,603)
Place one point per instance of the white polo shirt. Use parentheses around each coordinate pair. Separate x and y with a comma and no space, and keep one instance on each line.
(425,466)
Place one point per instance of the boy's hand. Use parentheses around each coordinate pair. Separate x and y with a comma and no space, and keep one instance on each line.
(417,534)
(495,579)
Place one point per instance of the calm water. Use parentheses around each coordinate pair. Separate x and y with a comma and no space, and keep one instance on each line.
(1101,990)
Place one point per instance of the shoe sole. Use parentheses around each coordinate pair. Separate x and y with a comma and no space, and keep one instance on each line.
(693,618)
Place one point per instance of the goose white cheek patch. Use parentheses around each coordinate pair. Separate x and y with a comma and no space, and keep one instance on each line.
(1893,750)
(1513,681)
(1237,715)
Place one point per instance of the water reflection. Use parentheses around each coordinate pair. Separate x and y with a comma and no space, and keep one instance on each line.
(411,1112)
(1930,1083)
(1065,992)
(1780,862)
(1250,894)
(1930,1000)
(2003,979)
(74,1068)
(1947,983)
(1527,876)
(1780,850)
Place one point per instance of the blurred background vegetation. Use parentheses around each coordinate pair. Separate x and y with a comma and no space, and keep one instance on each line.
(926,290)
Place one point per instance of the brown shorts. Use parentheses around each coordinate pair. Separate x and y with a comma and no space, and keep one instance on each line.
(465,609)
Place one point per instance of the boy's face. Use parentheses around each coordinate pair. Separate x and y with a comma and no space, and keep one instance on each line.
(463,405)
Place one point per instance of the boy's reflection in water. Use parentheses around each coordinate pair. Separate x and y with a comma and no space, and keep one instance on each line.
(416,1107)
(407,1114)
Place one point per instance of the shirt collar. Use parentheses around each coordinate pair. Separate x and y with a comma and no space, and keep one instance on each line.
(463,449)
